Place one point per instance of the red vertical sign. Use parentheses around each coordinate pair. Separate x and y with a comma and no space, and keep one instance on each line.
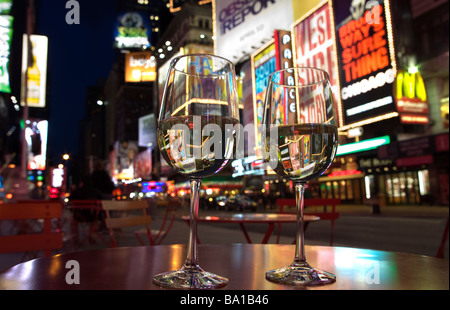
(314,46)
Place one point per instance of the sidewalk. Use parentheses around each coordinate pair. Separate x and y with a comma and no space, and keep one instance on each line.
(395,211)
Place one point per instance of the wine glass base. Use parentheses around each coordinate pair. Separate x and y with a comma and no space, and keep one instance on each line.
(303,275)
(190,278)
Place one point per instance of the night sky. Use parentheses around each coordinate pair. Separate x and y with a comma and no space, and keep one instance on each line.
(79,54)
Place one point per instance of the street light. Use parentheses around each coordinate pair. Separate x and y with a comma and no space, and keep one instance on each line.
(66,156)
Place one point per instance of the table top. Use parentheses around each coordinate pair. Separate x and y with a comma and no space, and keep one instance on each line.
(253,218)
(243,264)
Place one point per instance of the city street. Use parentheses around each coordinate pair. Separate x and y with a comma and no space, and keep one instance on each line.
(415,230)
(408,230)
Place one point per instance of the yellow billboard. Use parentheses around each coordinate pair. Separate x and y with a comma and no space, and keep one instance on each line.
(140,67)
(264,62)
(34,71)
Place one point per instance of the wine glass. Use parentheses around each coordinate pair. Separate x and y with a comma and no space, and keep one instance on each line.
(196,137)
(301,140)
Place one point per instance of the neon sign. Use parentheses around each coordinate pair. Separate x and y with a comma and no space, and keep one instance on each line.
(285,59)
(140,67)
(411,98)
(264,63)
(132,31)
(314,46)
(365,49)
(344,173)
(6,33)
(362,146)
(36,135)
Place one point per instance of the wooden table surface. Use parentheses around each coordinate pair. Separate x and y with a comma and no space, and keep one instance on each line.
(132,268)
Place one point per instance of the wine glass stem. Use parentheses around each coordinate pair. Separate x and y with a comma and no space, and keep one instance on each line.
(192,257)
(300,258)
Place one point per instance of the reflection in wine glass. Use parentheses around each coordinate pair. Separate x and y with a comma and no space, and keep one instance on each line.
(196,137)
(301,142)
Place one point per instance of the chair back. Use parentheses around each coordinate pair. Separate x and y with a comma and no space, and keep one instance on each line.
(314,202)
(91,204)
(125,213)
(31,237)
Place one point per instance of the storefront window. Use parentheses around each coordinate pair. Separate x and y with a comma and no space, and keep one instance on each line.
(412,185)
(329,190)
(396,188)
(350,195)
(323,190)
(342,191)
(402,188)
(389,187)
(424,182)
(335,189)
(402,185)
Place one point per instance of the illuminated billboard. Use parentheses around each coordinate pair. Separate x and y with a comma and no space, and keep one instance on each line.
(367,67)
(263,64)
(5,6)
(132,30)
(143,165)
(246,26)
(35,71)
(275,55)
(314,46)
(411,98)
(36,135)
(123,163)
(58,178)
(147,131)
(140,67)
(6,32)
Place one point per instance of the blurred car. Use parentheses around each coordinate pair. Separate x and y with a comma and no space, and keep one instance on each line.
(220,202)
(236,203)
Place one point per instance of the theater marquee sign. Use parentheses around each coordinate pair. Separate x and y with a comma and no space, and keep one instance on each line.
(314,46)
(365,52)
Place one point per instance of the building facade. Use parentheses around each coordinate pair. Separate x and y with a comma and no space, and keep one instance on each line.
(409,167)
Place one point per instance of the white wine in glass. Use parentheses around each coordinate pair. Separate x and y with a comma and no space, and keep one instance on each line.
(197,138)
(300,144)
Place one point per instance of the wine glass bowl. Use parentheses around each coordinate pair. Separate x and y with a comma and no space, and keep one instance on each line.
(301,141)
(197,137)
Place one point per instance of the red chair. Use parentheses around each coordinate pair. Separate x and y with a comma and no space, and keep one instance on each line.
(34,237)
(169,217)
(126,217)
(313,202)
(87,211)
